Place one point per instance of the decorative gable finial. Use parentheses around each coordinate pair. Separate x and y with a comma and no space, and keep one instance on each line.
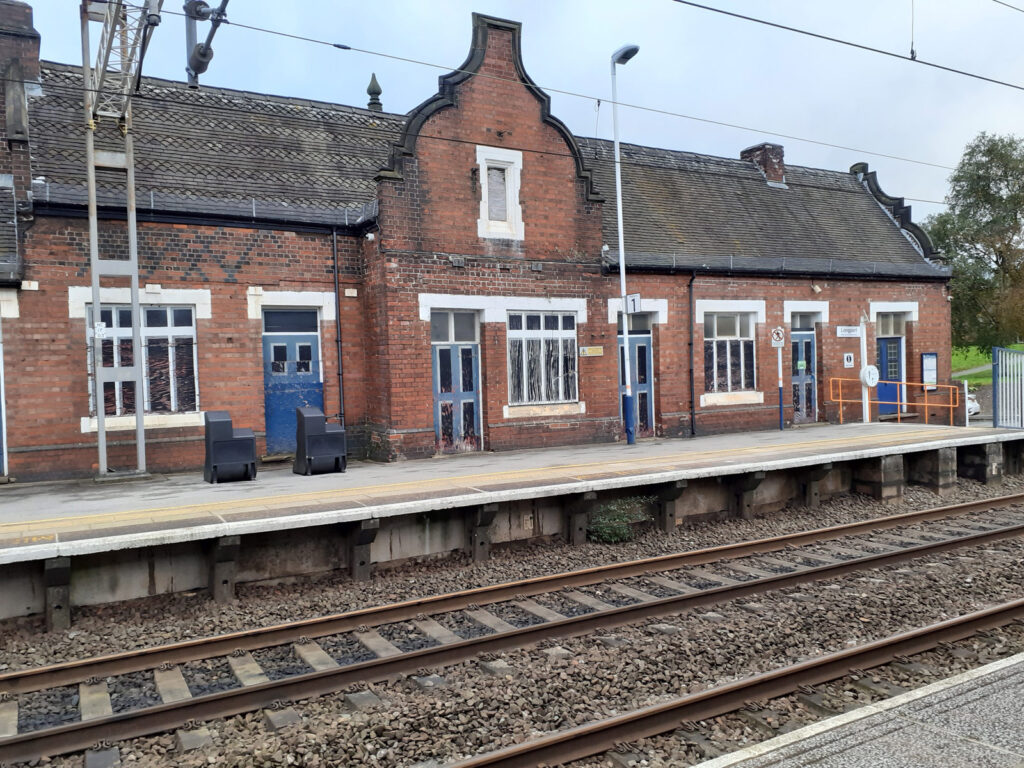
(374,91)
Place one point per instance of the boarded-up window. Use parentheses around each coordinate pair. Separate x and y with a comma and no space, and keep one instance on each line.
(729,352)
(497,194)
(168,355)
(541,358)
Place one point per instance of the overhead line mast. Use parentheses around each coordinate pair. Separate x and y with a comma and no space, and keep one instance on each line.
(107,92)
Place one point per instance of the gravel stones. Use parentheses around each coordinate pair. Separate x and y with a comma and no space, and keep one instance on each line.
(345,649)
(209,676)
(134,690)
(47,709)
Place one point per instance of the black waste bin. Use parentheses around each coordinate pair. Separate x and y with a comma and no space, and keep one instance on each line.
(230,453)
(319,446)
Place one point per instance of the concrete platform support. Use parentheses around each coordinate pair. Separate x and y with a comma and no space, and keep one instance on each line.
(665,513)
(577,509)
(223,557)
(983,463)
(57,579)
(1013,457)
(743,487)
(882,478)
(810,481)
(360,537)
(478,531)
(936,470)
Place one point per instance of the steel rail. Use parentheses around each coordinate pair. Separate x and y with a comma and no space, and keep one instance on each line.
(593,738)
(66,673)
(83,734)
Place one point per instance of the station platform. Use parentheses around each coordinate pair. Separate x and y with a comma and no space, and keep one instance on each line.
(73,518)
(972,720)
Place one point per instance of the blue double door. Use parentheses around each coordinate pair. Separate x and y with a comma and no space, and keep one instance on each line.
(890,370)
(291,373)
(803,377)
(455,352)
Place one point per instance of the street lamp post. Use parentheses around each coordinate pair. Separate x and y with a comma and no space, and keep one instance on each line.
(621,56)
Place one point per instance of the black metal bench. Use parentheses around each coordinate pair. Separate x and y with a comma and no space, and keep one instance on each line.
(319,446)
(230,453)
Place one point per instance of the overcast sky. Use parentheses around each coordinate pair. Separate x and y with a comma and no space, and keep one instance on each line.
(691,61)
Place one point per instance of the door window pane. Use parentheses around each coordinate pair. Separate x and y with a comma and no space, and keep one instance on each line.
(279,358)
(444,369)
(641,364)
(468,420)
(466,360)
(304,361)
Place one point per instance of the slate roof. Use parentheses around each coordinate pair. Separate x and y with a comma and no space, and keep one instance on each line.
(686,211)
(221,152)
(216,151)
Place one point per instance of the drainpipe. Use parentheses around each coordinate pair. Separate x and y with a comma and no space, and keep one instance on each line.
(693,405)
(337,325)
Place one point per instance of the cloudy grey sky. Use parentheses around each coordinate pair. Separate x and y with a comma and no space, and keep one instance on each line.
(691,62)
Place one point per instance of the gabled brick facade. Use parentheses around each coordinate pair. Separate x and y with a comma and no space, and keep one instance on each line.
(415,248)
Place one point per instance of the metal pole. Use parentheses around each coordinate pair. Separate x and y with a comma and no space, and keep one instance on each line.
(865,397)
(782,423)
(133,256)
(627,400)
(94,250)
(967,413)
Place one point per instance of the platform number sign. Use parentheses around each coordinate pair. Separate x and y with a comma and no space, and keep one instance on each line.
(778,337)
(633,303)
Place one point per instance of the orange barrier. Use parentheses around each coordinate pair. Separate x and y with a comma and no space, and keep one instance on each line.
(952,404)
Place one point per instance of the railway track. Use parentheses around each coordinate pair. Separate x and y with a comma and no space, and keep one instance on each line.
(231,674)
(595,738)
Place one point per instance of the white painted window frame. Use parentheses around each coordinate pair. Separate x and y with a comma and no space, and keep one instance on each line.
(495,309)
(169,332)
(511,160)
(524,335)
(790,308)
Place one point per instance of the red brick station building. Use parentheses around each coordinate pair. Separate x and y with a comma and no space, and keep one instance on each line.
(450,274)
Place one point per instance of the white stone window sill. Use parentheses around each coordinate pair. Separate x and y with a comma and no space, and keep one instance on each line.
(151,420)
(731,398)
(549,409)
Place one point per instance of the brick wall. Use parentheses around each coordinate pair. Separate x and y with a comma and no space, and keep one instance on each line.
(46,350)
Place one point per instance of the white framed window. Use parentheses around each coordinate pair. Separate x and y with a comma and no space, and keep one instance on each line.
(729,364)
(891,324)
(501,215)
(169,357)
(542,358)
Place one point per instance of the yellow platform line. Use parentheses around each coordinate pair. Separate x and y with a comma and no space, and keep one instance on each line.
(651,464)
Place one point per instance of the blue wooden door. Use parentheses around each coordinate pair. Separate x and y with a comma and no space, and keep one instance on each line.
(805,386)
(641,371)
(291,373)
(890,368)
(456,397)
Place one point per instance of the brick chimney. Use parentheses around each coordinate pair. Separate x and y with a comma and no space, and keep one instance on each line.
(768,158)
(19,75)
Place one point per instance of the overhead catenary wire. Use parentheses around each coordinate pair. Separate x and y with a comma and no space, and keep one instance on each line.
(1014,7)
(851,44)
(575,94)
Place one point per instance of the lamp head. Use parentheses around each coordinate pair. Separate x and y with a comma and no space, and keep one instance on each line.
(625,53)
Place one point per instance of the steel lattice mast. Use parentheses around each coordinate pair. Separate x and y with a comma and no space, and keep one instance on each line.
(107,92)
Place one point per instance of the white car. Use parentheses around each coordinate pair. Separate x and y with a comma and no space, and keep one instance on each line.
(973,406)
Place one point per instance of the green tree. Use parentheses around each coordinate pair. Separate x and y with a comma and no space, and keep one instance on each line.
(982,235)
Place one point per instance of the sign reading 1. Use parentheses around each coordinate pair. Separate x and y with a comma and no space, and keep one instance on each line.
(633,303)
